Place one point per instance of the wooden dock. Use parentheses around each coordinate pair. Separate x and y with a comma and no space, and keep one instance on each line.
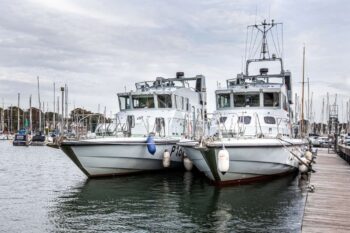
(328,207)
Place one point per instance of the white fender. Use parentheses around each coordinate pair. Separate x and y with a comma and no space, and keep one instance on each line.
(188,163)
(303,168)
(166,159)
(308,155)
(223,161)
(305,160)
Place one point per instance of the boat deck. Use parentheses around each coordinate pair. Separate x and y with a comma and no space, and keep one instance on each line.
(328,207)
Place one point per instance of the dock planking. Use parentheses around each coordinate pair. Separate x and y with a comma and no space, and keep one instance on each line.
(328,207)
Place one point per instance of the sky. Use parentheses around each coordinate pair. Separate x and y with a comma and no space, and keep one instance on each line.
(102,47)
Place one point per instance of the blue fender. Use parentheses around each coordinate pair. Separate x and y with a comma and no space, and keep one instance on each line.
(151,146)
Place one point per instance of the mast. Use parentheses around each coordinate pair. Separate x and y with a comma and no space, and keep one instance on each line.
(348,116)
(342,113)
(308,99)
(43,116)
(11,118)
(311,113)
(322,116)
(2,116)
(252,51)
(104,121)
(66,104)
(48,116)
(295,107)
(58,108)
(30,115)
(8,121)
(264,46)
(62,118)
(99,116)
(18,118)
(54,107)
(39,104)
(302,96)
(327,111)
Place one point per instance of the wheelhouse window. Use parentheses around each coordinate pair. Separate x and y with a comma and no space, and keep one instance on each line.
(284,99)
(124,102)
(186,104)
(144,101)
(243,100)
(179,102)
(164,101)
(271,99)
(245,119)
(270,120)
(223,100)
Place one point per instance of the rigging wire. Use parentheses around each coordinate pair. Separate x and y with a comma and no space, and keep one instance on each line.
(251,42)
(282,46)
(273,40)
(246,45)
(257,48)
(257,33)
(278,42)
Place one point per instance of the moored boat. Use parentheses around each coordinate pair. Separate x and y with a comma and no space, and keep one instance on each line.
(152,119)
(38,139)
(21,139)
(3,136)
(250,136)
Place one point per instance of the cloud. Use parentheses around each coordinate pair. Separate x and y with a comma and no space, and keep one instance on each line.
(99,47)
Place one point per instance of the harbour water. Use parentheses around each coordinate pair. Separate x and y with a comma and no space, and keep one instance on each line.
(41,190)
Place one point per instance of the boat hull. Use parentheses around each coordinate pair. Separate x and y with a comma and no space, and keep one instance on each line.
(248,162)
(20,140)
(20,143)
(115,158)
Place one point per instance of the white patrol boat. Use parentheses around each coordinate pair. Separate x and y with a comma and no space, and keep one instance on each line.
(250,136)
(152,119)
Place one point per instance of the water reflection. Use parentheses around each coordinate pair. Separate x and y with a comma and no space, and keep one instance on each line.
(179,202)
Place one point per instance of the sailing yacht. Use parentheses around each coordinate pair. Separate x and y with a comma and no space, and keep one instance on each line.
(152,120)
(249,136)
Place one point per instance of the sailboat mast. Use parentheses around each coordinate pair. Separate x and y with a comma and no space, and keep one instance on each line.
(311,113)
(58,109)
(308,99)
(2,116)
(54,107)
(66,104)
(295,108)
(62,118)
(48,115)
(327,111)
(349,116)
(11,113)
(18,118)
(322,117)
(8,121)
(43,116)
(30,115)
(302,97)
(39,104)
